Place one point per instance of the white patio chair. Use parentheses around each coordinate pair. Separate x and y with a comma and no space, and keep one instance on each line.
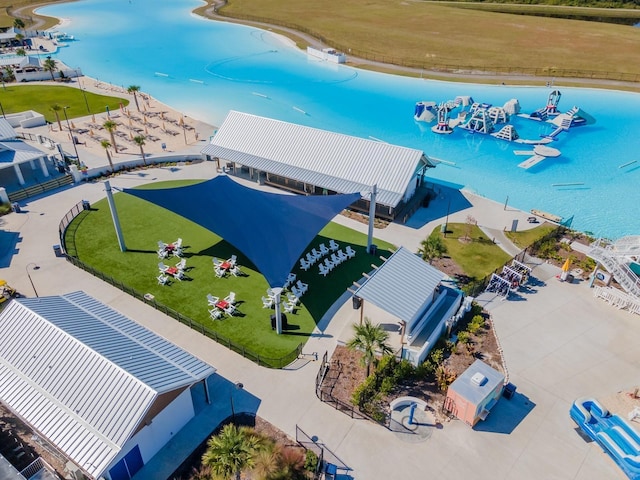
(289,307)
(304,265)
(235,271)
(219,271)
(342,256)
(303,287)
(333,245)
(178,243)
(292,298)
(324,271)
(350,251)
(162,253)
(177,252)
(329,264)
(267,302)
(311,258)
(211,299)
(296,292)
(161,245)
(233,260)
(323,249)
(231,298)
(317,255)
(336,261)
(182,264)
(215,313)
(179,275)
(162,279)
(230,310)
(162,267)
(290,279)
(216,261)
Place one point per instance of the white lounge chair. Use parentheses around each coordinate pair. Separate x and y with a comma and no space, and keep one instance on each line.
(162,267)
(336,261)
(162,253)
(219,271)
(179,275)
(304,265)
(324,271)
(311,258)
(232,260)
(182,264)
(350,251)
(235,271)
(216,261)
(290,279)
(317,255)
(323,249)
(296,292)
(289,307)
(333,245)
(215,313)
(211,299)
(231,298)
(161,245)
(267,302)
(230,310)
(178,243)
(177,252)
(162,279)
(329,264)
(341,255)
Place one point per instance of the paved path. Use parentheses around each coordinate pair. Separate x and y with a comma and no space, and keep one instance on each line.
(560,343)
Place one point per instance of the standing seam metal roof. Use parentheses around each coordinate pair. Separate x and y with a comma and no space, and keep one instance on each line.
(76,370)
(330,160)
(402,285)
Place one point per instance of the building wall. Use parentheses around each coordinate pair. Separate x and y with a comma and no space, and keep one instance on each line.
(462,408)
(162,429)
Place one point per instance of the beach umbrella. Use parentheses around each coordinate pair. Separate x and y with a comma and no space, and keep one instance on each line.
(131,135)
(162,115)
(73,126)
(566,266)
(91,132)
(163,127)
(130,123)
(145,130)
(93,118)
(181,122)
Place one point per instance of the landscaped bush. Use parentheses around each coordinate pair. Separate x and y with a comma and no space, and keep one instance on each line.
(310,461)
(5,208)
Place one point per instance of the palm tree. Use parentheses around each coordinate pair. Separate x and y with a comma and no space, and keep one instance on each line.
(110,126)
(139,140)
(368,339)
(8,73)
(134,89)
(232,451)
(55,108)
(50,65)
(20,38)
(106,145)
(432,248)
(21,52)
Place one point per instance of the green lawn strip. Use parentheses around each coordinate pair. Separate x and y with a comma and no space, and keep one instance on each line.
(479,257)
(41,97)
(143,224)
(527,237)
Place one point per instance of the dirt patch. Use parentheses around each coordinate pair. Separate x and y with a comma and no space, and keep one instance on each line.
(346,372)
(362,218)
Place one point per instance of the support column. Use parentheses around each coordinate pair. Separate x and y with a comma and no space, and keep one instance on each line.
(593,275)
(278,291)
(16,167)
(4,198)
(43,166)
(114,216)
(372,216)
(207,396)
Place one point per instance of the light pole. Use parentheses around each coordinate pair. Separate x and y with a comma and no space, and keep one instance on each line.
(238,386)
(35,267)
(82,90)
(1,107)
(73,140)
(184,130)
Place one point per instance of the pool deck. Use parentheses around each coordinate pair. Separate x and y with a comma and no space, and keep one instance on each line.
(559,342)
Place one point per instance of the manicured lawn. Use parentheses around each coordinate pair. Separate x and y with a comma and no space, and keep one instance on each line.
(527,237)
(479,257)
(143,224)
(40,98)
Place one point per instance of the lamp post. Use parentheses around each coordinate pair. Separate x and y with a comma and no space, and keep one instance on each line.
(70,133)
(82,90)
(35,267)
(184,130)
(238,386)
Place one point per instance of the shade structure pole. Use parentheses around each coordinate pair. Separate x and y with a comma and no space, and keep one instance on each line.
(114,216)
(372,216)
(277,292)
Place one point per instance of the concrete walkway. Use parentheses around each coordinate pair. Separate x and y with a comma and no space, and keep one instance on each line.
(559,342)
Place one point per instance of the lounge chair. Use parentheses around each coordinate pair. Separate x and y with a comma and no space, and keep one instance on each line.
(230,310)
(215,313)
(303,287)
(182,264)
(211,299)
(162,267)
(233,260)
(235,271)
(342,256)
(231,298)
(336,261)
(219,271)
(267,302)
(333,245)
(323,250)
(304,265)
(292,298)
(162,279)
(324,271)
(289,307)
(350,251)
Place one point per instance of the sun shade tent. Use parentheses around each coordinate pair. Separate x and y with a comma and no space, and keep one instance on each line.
(272,230)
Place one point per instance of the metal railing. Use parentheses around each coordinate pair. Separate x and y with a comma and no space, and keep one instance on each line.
(37,465)
(69,249)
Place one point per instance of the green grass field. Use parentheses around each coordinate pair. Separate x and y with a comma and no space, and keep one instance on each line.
(479,257)
(18,98)
(143,224)
(527,237)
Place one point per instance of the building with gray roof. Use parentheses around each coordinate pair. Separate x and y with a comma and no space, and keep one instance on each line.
(103,390)
(311,161)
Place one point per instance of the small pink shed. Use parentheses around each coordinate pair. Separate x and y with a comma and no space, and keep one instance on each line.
(472,395)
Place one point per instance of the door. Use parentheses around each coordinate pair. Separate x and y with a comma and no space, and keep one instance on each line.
(128,466)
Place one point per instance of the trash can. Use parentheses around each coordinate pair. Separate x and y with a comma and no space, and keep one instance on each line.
(373,249)
(16,207)
(86,205)
(357,302)
(57,249)
(509,391)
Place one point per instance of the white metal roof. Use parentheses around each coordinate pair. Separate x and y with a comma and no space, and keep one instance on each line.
(334,161)
(402,285)
(472,391)
(6,130)
(84,375)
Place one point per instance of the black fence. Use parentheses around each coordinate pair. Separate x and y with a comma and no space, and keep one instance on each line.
(40,188)
(69,249)
(419,64)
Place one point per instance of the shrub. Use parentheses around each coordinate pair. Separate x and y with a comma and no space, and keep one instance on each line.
(387,384)
(310,461)
(5,208)
(477,322)
(436,356)
(444,377)
(464,337)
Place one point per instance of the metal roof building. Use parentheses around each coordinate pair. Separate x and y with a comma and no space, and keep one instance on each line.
(311,161)
(86,377)
(14,152)
(410,289)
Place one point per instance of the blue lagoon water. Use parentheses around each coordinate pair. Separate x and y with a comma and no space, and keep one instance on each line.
(206,68)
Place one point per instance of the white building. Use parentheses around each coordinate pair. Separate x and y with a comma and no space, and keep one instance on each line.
(105,391)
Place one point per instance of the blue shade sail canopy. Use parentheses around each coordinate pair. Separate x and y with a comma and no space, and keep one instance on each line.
(270,229)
